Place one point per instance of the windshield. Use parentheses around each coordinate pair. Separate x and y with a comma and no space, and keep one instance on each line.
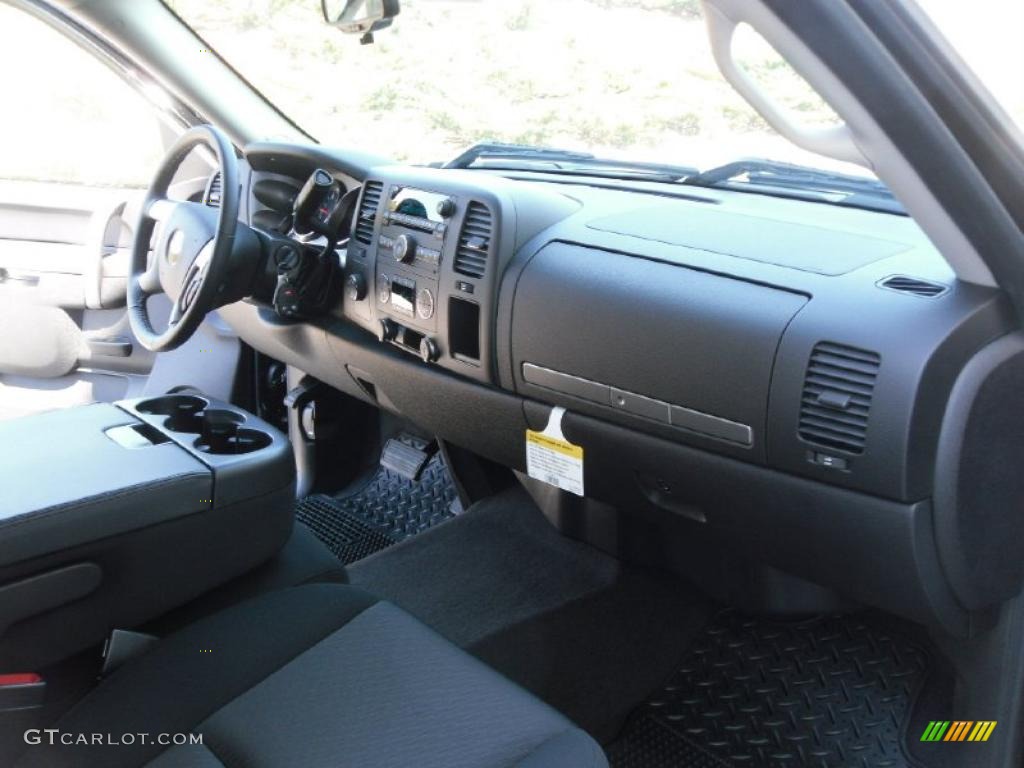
(621,79)
(451,73)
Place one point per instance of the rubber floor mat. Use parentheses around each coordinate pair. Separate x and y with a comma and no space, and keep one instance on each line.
(833,692)
(380,511)
(348,537)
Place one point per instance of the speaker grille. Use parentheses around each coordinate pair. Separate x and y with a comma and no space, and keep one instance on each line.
(836,398)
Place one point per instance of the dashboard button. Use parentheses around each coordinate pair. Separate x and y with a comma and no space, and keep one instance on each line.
(446,208)
(384,289)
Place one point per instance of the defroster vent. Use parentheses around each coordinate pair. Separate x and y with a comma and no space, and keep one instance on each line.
(837,396)
(474,241)
(914,286)
(368,211)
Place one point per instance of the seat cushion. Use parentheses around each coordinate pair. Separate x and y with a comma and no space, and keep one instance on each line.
(318,675)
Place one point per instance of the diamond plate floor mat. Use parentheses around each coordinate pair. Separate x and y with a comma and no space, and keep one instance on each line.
(833,692)
(381,511)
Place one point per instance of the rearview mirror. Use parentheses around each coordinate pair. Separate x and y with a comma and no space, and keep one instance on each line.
(359,17)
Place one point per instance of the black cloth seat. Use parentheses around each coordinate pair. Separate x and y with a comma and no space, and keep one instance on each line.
(317,675)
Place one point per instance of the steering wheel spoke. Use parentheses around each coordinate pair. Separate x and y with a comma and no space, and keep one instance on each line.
(176,314)
(159,209)
(149,281)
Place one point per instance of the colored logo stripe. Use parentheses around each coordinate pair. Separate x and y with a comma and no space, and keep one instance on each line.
(958,730)
(982,730)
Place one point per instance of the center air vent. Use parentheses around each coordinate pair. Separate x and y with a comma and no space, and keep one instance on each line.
(212,194)
(474,241)
(837,396)
(368,211)
(914,285)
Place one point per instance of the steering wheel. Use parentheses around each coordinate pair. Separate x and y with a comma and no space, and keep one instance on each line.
(192,252)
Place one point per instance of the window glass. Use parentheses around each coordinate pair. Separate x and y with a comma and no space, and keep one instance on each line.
(69,118)
(627,79)
(987,35)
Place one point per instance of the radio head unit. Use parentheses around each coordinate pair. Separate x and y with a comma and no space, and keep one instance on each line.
(418,208)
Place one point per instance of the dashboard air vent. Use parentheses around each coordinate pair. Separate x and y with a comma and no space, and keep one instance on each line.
(212,195)
(368,211)
(837,396)
(474,241)
(914,285)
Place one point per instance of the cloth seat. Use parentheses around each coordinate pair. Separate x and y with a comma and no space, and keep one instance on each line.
(322,675)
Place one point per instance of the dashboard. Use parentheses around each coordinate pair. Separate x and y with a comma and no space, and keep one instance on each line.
(780,378)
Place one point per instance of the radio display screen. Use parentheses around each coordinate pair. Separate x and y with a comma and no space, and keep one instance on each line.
(416,202)
(403,297)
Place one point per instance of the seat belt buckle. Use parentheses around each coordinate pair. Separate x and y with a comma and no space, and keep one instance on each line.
(21,690)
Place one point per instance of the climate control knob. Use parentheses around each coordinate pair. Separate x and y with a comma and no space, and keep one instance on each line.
(429,350)
(425,304)
(404,248)
(355,287)
(388,330)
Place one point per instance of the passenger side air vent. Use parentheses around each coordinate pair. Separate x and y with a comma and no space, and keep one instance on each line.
(212,194)
(837,396)
(914,285)
(474,241)
(368,211)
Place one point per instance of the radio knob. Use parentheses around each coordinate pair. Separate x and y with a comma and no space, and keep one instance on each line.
(429,350)
(446,208)
(388,330)
(404,248)
(355,287)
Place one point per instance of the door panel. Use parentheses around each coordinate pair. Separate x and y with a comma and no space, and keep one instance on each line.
(64,333)
(79,150)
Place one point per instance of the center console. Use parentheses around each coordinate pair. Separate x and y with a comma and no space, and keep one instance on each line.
(424,257)
(112,514)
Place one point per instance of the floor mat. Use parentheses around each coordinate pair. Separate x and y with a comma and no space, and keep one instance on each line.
(834,691)
(347,536)
(585,633)
(380,511)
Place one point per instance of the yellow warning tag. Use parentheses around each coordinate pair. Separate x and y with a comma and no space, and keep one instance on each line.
(552,459)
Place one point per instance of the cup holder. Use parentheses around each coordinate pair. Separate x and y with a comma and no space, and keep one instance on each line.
(172,405)
(202,422)
(219,430)
(233,440)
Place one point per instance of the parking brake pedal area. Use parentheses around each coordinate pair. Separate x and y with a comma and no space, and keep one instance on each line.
(406,456)
(832,691)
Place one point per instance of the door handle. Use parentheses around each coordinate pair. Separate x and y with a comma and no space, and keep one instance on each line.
(9,276)
(117,346)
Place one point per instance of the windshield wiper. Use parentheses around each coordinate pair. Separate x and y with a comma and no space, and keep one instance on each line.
(523,157)
(799,181)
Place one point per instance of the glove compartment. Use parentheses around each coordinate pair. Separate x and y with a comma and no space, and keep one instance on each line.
(680,353)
